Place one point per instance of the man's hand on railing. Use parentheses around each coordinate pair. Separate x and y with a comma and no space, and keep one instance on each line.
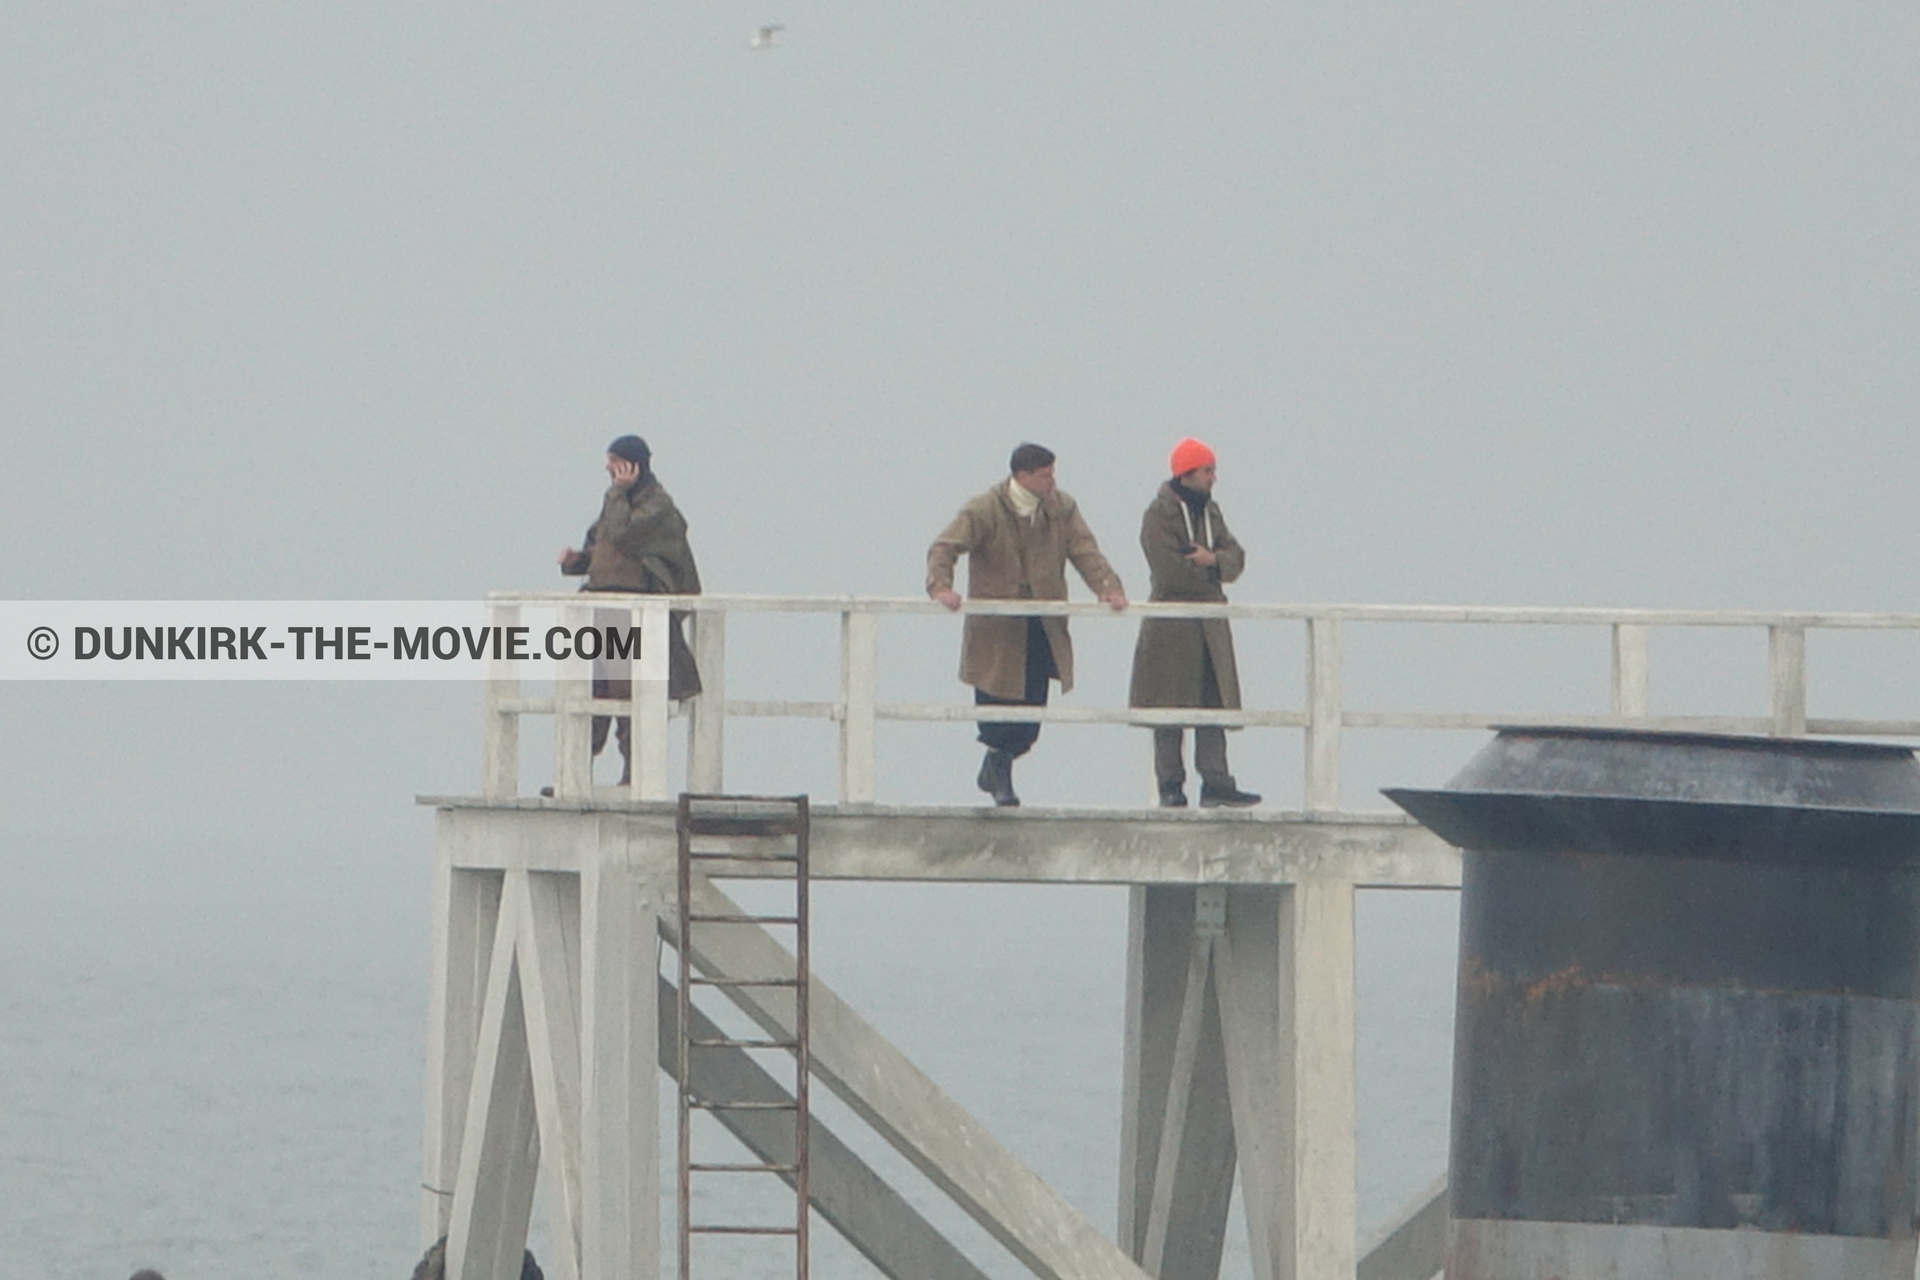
(949,598)
(1116,599)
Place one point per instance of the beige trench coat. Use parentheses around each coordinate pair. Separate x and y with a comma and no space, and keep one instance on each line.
(1009,558)
(1167,669)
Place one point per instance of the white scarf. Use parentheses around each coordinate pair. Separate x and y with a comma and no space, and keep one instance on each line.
(1025,505)
(1206,523)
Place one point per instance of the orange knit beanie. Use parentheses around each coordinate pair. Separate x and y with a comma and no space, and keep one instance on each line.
(1188,455)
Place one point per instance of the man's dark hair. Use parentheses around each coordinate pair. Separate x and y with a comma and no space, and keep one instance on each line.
(633,449)
(1030,457)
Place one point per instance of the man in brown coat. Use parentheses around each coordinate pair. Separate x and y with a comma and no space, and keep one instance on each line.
(1018,537)
(1188,662)
(638,544)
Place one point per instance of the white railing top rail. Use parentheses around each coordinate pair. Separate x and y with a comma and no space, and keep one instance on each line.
(1511,615)
(1321,714)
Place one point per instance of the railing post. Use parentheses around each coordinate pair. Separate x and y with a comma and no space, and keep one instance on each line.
(500,733)
(859,680)
(1630,670)
(707,721)
(1322,790)
(649,776)
(1787,678)
(572,719)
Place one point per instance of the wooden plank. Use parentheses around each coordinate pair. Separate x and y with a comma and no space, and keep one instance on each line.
(621,899)
(1517,615)
(499,1153)
(1787,680)
(1023,846)
(549,981)
(500,741)
(1324,699)
(650,703)
(466,916)
(707,728)
(859,688)
(1191,1186)
(1629,669)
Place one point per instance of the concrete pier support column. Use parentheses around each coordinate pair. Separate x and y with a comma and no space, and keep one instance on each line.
(1245,992)
(625,891)
(544,1047)
(1177,1153)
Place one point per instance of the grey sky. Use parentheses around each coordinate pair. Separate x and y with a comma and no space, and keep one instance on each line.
(1482,303)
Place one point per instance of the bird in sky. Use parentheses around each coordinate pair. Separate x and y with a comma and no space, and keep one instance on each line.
(766,36)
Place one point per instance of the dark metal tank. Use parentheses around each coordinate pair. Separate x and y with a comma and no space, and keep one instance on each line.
(1687,1041)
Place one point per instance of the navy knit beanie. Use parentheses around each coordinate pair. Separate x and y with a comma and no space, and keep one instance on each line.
(633,449)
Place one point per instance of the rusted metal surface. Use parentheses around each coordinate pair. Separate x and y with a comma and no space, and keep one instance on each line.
(1687,1005)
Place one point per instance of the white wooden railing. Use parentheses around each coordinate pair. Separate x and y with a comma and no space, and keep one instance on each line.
(1322,714)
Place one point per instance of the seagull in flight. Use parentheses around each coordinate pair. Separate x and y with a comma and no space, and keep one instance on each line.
(765,38)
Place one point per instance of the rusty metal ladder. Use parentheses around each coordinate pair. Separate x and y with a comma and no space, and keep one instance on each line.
(765,837)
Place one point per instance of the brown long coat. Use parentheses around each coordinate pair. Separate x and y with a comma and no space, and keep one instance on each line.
(1009,558)
(1167,659)
(639,544)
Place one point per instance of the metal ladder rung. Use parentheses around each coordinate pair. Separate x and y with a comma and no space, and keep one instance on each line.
(722,1042)
(698,1229)
(741,1168)
(741,919)
(742,1106)
(728,825)
(745,982)
(745,857)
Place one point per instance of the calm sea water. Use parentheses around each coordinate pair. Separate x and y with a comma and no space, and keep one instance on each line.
(218,1073)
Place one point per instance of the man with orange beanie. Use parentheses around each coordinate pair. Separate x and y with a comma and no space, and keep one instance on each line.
(1188,662)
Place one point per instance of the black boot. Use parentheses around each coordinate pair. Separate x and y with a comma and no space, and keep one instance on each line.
(1173,797)
(1225,795)
(996,778)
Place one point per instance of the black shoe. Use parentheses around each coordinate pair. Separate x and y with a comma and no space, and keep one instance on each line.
(996,778)
(1226,796)
(1173,797)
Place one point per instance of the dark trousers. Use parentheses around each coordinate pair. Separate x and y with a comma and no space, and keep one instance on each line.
(1209,744)
(606,685)
(621,690)
(1014,738)
(683,679)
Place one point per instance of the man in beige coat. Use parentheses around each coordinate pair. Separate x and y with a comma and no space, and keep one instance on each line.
(1018,537)
(1188,662)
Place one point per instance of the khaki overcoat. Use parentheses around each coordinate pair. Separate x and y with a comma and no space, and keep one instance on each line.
(639,544)
(1167,659)
(1011,558)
